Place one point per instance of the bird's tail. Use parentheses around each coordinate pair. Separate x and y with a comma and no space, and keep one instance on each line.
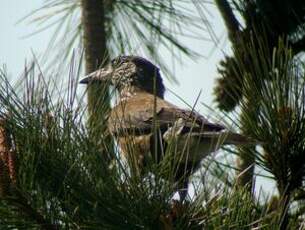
(238,139)
(230,138)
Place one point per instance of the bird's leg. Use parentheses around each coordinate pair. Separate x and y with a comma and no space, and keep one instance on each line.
(157,147)
(183,173)
(184,189)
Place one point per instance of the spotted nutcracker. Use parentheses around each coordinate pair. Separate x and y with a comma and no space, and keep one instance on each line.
(144,124)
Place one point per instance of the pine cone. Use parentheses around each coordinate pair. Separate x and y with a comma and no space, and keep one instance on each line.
(228,89)
(12,166)
(7,160)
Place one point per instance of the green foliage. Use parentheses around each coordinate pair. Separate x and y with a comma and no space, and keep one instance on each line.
(273,113)
(271,19)
(277,84)
(234,209)
(63,181)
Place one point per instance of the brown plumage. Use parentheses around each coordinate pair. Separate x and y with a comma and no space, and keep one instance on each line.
(139,112)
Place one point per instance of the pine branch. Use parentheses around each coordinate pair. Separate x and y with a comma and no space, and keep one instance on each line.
(229,18)
(8,180)
(26,209)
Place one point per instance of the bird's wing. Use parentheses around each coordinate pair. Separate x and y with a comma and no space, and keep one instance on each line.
(138,114)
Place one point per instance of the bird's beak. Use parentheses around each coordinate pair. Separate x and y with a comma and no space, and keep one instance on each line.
(103,74)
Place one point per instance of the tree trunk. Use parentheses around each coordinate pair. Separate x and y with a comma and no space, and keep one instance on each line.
(96,54)
(94,35)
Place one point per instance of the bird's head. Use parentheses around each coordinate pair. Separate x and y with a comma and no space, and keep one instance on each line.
(127,73)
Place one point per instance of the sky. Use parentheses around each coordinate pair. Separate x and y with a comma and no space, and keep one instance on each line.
(193,76)
(14,48)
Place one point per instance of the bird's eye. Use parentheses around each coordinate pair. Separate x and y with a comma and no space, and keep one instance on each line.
(114,62)
(117,62)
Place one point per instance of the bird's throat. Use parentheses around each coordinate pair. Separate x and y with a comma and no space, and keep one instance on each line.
(127,92)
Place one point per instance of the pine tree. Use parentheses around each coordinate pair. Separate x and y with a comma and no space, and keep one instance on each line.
(270,20)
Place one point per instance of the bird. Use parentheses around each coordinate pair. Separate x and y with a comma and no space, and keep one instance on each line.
(145,125)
